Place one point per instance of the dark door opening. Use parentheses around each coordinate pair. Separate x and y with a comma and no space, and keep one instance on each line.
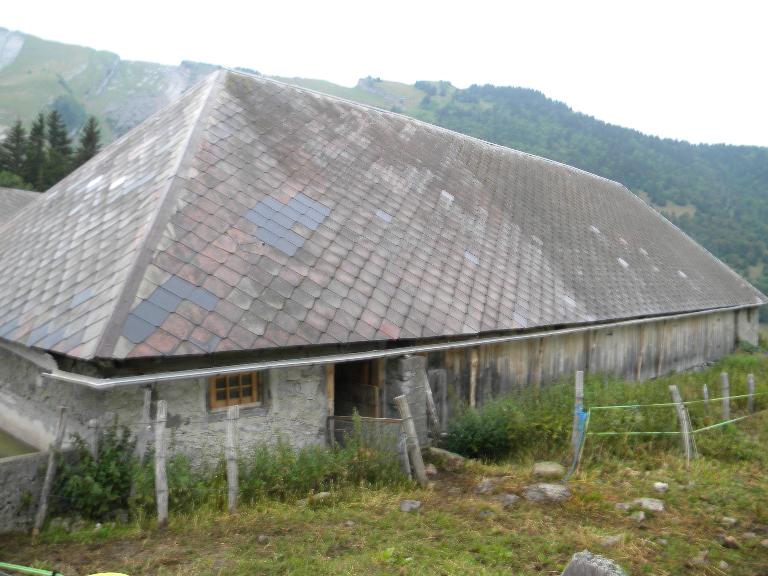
(357,387)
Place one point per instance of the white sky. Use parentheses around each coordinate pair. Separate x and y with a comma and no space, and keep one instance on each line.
(686,70)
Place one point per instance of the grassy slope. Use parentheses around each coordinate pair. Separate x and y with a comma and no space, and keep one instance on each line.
(469,534)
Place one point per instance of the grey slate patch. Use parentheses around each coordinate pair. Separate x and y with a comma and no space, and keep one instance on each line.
(471,257)
(178,286)
(52,339)
(165,300)
(150,313)
(38,333)
(136,329)
(81,297)
(381,215)
(203,298)
(9,327)
(275,219)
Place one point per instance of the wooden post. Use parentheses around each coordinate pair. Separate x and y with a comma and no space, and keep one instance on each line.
(539,369)
(329,394)
(662,341)
(725,392)
(94,435)
(161,480)
(473,362)
(578,408)
(402,445)
(145,426)
(751,392)
(233,413)
(682,420)
(705,393)
(50,472)
(432,409)
(412,440)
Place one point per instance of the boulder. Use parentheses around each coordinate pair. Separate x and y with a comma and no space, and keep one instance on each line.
(728,541)
(446,460)
(431,470)
(728,521)
(660,487)
(319,497)
(587,564)
(485,486)
(508,500)
(262,539)
(638,516)
(650,504)
(543,492)
(548,470)
(623,506)
(410,505)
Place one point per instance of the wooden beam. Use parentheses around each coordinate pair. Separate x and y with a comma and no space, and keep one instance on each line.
(330,388)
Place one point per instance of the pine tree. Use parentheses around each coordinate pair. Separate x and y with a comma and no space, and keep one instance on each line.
(34,160)
(90,142)
(13,149)
(59,160)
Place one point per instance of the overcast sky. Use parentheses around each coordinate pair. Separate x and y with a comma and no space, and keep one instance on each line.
(686,70)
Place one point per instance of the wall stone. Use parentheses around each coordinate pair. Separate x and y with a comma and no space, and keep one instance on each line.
(21,479)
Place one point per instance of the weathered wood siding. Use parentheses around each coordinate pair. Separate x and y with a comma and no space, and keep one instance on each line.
(641,351)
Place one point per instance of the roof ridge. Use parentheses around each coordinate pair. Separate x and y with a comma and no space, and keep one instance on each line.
(110,335)
(423,123)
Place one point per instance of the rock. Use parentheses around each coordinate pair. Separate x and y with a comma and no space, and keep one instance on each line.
(446,460)
(548,470)
(764,543)
(728,541)
(623,506)
(262,538)
(319,497)
(587,564)
(749,535)
(662,542)
(485,513)
(97,526)
(508,500)
(650,504)
(410,505)
(484,487)
(660,487)
(543,492)
(349,523)
(608,541)
(430,469)
(723,565)
(728,521)
(699,560)
(638,516)
(303,502)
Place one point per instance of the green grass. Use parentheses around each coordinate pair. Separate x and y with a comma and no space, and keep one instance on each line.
(360,530)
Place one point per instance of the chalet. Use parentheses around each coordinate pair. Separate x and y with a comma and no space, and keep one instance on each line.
(304,256)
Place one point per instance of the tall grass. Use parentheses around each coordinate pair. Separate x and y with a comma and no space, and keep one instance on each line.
(537,422)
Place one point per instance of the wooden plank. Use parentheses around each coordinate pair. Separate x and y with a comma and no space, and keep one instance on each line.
(331,404)
(161,480)
(473,366)
(145,426)
(725,392)
(705,394)
(751,393)
(233,414)
(434,419)
(414,451)
(640,355)
(662,342)
(50,472)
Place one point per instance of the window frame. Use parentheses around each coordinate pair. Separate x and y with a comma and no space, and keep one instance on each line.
(233,382)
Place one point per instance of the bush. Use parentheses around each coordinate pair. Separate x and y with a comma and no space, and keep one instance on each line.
(96,488)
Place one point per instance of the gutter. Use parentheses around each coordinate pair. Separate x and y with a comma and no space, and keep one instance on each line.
(146,379)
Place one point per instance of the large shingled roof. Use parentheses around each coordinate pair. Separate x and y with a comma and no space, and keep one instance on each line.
(252,214)
(13,200)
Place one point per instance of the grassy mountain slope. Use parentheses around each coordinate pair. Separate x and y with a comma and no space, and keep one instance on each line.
(716,193)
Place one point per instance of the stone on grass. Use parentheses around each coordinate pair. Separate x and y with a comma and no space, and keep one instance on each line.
(728,521)
(410,505)
(262,539)
(623,506)
(430,469)
(638,516)
(764,543)
(543,492)
(587,564)
(485,486)
(548,470)
(660,487)
(319,497)
(508,500)
(650,504)
(723,565)
(608,541)
(662,542)
(447,460)
(728,541)
(749,535)
(349,523)
(699,560)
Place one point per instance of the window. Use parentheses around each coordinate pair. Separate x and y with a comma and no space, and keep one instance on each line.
(234,389)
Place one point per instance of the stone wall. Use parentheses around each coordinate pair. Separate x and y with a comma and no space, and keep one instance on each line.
(21,480)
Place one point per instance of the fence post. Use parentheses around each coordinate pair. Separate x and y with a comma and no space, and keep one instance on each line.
(705,393)
(94,434)
(412,440)
(751,392)
(161,480)
(578,408)
(233,413)
(682,419)
(50,472)
(402,447)
(725,392)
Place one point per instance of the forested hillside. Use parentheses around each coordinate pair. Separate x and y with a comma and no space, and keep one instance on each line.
(716,193)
